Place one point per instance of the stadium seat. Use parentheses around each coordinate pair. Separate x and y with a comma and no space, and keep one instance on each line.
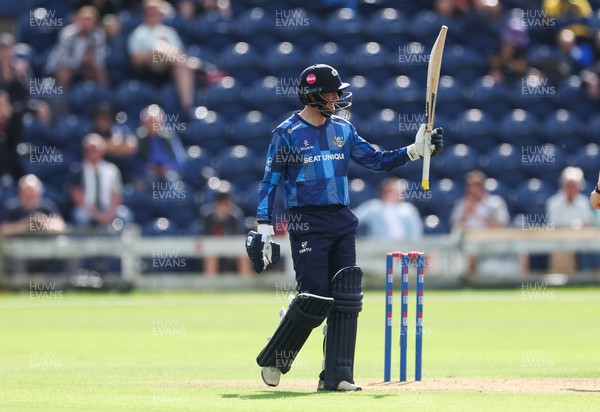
(404,94)
(364,95)
(588,159)
(252,129)
(412,60)
(84,97)
(564,129)
(34,131)
(531,195)
(328,53)
(592,127)
(434,225)
(384,125)
(239,165)
(572,94)
(225,93)
(129,21)
(159,227)
(450,100)
(213,31)
(68,132)
(388,26)
(534,94)
(360,191)
(132,96)
(489,95)
(504,163)
(274,95)
(284,60)
(343,26)
(370,58)
(241,60)
(117,61)
(425,26)
(456,161)
(207,130)
(475,128)
(544,162)
(520,127)
(169,100)
(197,168)
(463,62)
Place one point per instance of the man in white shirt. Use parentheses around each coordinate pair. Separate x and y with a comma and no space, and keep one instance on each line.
(157,53)
(390,216)
(96,189)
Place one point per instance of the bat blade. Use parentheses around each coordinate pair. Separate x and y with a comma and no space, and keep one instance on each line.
(433,79)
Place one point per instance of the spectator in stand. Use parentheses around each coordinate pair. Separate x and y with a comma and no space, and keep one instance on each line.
(510,64)
(121,143)
(591,74)
(96,187)
(80,52)
(104,7)
(157,54)
(30,214)
(224,218)
(595,196)
(160,152)
(479,210)
(390,217)
(569,208)
(190,9)
(14,92)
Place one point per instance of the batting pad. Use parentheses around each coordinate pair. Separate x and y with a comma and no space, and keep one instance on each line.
(342,324)
(306,312)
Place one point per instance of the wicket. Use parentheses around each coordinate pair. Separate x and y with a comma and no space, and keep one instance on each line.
(405,258)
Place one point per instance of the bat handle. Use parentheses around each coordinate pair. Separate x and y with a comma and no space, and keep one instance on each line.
(426,162)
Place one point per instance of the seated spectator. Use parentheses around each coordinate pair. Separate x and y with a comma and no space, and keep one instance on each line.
(157,54)
(390,216)
(224,218)
(30,214)
(571,209)
(15,73)
(510,64)
(160,152)
(478,210)
(121,143)
(80,52)
(191,9)
(96,187)
(104,7)
(591,74)
(595,196)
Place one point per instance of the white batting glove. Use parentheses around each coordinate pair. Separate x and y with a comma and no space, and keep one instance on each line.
(266,231)
(417,149)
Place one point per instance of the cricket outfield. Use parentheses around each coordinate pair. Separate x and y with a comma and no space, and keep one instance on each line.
(513,350)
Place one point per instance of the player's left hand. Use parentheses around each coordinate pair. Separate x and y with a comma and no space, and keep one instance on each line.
(261,254)
(435,139)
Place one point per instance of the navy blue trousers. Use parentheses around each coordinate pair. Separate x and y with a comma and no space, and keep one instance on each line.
(323,240)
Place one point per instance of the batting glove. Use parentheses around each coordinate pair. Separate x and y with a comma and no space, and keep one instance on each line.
(435,140)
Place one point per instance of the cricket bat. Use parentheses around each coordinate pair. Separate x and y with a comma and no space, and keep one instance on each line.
(433,78)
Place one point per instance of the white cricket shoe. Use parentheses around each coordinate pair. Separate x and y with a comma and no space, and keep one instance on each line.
(270,375)
(343,386)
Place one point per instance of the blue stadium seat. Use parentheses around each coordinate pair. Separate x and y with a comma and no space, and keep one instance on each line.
(475,128)
(534,94)
(384,126)
(213,31)
(444,194)
(498,188)
(403,93)
(273,94)
(489,95)
(412,60)
(530,197)
(239,165)
(348,26)
(519,127)
(564,129)
(464,63)
(34,131)
(117,61)
(129,21)
(296,25)
(592,128)
(434,225)
(207,130)
(572,94)
(425,26)
(132,96)
(456,161)
(169,100)
(544,162)
(241,60)
(68,132)
(504,163)
(252,129)
(388,26)
(588,159)
(450,100)
(328,53)
(360,191)
(284,60)
(174,201)
(252,23)
(225,93)
(364,95)
(137,201)
(84,97)
(370,58)
(197,168)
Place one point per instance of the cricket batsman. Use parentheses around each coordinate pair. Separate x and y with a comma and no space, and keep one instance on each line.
(310,152)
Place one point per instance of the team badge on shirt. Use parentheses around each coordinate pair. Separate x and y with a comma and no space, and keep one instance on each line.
(338,141)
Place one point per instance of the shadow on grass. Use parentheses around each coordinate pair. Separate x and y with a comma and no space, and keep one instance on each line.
(584,390)
(292,394)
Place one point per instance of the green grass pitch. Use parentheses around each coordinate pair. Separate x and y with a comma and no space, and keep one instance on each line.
(510,350)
